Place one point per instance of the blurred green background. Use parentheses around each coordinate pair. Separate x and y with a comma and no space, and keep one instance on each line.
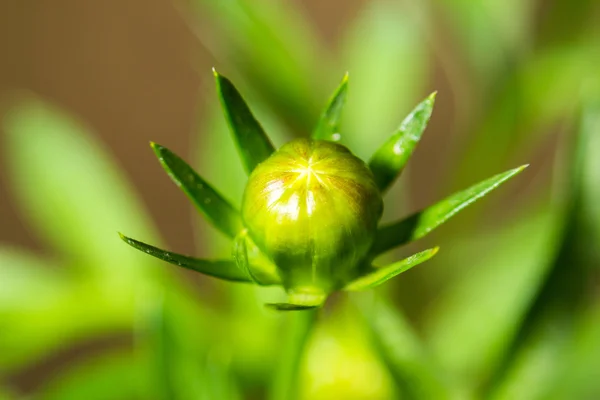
(509,309)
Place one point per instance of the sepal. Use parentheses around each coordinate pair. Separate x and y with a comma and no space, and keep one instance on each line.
(221,269)
(378,275)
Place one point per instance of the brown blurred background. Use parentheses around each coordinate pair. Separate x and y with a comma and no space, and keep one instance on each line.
(134,72)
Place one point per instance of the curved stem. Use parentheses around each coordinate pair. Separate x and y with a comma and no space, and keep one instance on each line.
(298,330)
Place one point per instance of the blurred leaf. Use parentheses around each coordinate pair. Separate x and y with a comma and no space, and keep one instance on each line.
(386,54)
(23,274)
(549,325)
(27,283)
(275,48)
(590,188)
(254,356)
(222,269)
(173,357)
(298,328)
(467,325)
(391,158)
(328,126)
(6,394)
(400,348)
(36,296)
(65,318)
(423,222)
(210,203)
(537,364)
(252,142)
(223,384)
(567,22)
(72,193)
(492,33)
(580,369)
(530,102)
(110,376)
(378,275)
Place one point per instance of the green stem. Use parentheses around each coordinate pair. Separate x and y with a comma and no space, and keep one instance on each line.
(299,328)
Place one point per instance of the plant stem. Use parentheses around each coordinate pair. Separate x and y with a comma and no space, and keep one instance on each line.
(299,328)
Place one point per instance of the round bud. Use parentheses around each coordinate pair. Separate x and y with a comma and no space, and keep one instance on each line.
(312,208)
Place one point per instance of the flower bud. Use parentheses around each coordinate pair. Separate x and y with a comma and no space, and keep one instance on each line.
(312,208)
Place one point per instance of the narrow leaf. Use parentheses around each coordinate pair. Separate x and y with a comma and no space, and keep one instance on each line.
(251,140)
(421,223)
(218,211)
(290,307)
(328,126)
(377,276)
(388,162)
(222,269)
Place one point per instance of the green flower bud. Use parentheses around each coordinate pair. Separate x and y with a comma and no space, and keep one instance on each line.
(312,208)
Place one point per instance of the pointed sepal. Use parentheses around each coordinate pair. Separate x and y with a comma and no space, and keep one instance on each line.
(328,126)
(420,224)
(378,275)
(250,259)
(221,269)
(218,211)
(252,142)
(390,159)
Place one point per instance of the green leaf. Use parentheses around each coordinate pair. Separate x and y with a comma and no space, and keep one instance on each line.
(377,276)
(290,307)
(421,223)
(208,201)
(222,269)
(252,142)
(416,374)
(328,126)
(391,158)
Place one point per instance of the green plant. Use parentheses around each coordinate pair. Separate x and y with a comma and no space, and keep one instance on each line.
(508,310)
(310,213)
